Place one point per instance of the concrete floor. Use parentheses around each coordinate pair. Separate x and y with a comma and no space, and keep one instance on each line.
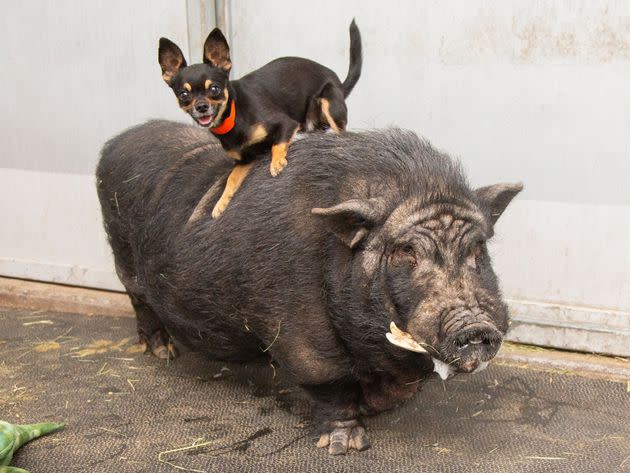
(122,408)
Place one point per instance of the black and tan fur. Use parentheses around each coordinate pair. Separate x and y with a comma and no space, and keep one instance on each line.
(272,103)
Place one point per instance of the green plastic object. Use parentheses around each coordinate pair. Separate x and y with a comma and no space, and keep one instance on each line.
(13,437)
(11,469)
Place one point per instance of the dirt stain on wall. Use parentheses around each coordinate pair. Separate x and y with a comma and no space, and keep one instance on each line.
(532,33)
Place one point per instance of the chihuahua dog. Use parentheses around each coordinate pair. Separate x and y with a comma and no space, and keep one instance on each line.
(262,110)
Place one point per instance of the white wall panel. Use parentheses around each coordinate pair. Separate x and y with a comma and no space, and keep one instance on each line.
(52,229)
(75,73)
(563,253)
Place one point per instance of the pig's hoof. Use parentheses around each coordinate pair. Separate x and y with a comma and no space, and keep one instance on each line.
(165,352)
(345,436)
(160,345)
(277,165)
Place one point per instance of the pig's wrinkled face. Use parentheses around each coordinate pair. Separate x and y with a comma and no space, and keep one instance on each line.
(441,286)
(430,263)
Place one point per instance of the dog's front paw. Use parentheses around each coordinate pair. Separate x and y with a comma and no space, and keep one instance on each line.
(278,158)
(277,165)
(344,436)
(219,209)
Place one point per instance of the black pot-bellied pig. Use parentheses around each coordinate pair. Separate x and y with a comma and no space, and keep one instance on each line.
(366,239)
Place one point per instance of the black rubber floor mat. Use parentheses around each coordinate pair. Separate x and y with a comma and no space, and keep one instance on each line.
(124,410)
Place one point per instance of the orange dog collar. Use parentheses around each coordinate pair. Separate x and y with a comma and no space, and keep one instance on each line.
(227,124)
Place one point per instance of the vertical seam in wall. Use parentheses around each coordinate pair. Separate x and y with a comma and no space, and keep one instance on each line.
(201,17)
(223,21)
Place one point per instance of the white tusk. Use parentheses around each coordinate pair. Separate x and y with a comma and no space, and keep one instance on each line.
(444,370)
(405,343)
(396,331)
(403,339)
(482,366)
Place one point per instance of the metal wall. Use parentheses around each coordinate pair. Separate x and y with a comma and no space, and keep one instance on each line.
(74,74)
(526,91)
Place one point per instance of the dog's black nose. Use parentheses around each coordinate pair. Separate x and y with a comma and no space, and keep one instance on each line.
(202,107)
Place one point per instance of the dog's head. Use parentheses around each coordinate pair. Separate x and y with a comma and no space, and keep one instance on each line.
(201,89)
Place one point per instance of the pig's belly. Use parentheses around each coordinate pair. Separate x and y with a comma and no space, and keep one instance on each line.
(216,341)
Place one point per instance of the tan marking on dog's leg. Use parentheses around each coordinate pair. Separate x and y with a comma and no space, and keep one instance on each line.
(234,181)
(187,86)
(235,155)
(278,158)
(326,112)
(279,155)
(207,84)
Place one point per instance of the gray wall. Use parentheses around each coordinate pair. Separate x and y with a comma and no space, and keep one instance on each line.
(75,73)
(520,90)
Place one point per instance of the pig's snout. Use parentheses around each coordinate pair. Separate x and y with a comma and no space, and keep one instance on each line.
(470,347)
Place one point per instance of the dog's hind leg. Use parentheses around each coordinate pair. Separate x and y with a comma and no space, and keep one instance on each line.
(313,117)
(334,112)
(284,136)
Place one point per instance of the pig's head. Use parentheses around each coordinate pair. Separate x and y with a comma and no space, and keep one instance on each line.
(426,263)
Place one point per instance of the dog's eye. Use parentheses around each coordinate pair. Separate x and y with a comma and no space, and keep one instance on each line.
(184,96)
(215,91)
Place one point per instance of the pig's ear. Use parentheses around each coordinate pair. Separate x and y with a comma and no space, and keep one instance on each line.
(497,197)
(352,220)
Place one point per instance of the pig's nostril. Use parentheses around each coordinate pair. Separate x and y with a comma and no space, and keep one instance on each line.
(483,339)
(459,343)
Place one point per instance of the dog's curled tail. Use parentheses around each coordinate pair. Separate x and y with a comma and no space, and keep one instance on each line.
(356,60)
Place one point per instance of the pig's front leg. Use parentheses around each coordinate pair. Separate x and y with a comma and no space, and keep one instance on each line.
(336,411)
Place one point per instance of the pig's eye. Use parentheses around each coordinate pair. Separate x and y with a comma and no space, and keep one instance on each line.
(476,255)
(404,255)
(478,250)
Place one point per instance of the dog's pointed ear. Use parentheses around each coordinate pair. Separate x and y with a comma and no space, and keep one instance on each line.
(216,51)
(170,58)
